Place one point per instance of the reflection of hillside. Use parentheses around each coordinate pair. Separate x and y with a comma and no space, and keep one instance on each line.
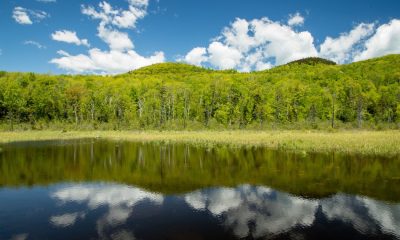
(180,168)
(245,210)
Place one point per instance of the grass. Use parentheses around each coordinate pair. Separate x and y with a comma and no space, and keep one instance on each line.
(353,142)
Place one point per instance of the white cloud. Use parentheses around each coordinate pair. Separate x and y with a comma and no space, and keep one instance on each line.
(47,1)
(116,40)
(109,62)
(69,37)
(262,43)
(63,53)
(39,15)
(386,40)
(282,42)
(121,56)
(343,48)
(34,43)
(255,45)
(196,56)
(79,63)
(119,18)
(21,16)
(263,66)
(363,42)
(237,35)
(224,57)
(296,20)
(27,17)
(139,3)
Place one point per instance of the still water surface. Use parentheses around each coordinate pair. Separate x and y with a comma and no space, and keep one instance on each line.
(95,189)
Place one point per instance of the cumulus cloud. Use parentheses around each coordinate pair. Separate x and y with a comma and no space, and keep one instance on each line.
(237,35)
(386,40)
(343,48)
(296,19)
(223,56)
(27,17)
(121,56)
(21,16)
(34,43)
(120,18)
(69,37)
(116,40)
(363,42)
(258,44)
(282,42)
(196,56)
(108,62)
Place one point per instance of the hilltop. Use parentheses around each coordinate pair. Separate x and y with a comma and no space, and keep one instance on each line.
(312,61)
(183,68)
(170,68)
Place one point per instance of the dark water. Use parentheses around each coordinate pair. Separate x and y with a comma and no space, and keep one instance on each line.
(92,189)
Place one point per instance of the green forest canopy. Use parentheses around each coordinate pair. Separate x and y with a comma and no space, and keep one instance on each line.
(309,93)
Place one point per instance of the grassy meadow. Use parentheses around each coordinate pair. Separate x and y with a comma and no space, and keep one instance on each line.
(353,142)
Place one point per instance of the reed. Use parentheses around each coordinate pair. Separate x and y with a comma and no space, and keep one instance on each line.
(353,142)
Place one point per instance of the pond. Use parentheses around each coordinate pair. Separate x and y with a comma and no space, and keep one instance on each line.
(98,189)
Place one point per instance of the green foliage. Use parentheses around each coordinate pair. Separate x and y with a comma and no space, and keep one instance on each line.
(313,61)
(309,93)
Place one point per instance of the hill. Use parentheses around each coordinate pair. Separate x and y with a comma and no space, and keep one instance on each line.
(312,61)
(169,68)
(309,93)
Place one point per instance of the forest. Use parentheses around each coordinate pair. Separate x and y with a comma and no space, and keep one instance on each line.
(310,93)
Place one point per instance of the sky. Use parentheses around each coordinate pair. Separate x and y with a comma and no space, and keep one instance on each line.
(115,36)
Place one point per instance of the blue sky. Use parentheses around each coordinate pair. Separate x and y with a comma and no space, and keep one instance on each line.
(90,36)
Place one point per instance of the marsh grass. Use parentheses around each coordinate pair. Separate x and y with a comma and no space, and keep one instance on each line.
(354,142)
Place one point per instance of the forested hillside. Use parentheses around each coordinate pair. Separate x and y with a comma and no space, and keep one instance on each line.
(310,93)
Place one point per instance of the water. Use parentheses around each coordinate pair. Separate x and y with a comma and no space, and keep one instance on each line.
(95,189)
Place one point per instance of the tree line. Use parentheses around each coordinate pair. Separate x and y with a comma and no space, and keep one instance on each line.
(178,96)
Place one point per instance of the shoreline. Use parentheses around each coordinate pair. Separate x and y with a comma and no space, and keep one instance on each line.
(385,143)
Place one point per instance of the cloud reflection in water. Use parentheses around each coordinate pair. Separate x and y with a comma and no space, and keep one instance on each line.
(245,210)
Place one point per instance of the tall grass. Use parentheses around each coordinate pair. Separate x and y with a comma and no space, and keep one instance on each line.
(354,142)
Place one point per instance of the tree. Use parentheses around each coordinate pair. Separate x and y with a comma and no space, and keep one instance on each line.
(74,95)
(12,99)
